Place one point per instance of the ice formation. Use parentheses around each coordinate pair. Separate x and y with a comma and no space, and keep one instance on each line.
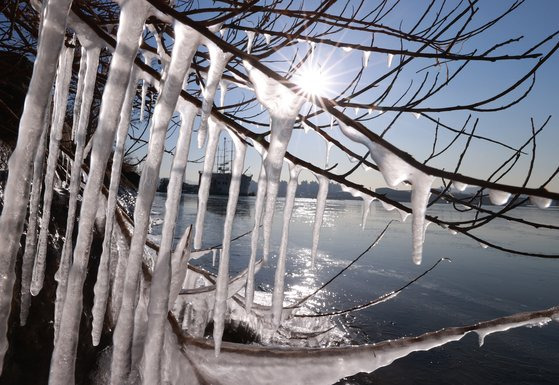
(218,61)
(540,202)
(183,50)
(459,185)
(142,305)
(101,288)
(498,197)
(268,38)
(31,238)
(204,188)
(161,282)
(279,289)
(389,60)
(250,40)
(323,183)
(329,146)
(220,305)
(366,55)
(283,106)
(89,63)
(132,16)
(395,171)
(258,211)
(327,365)
(388,207)
(63,76)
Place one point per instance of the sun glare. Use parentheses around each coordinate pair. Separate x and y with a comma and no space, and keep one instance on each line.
(312,80)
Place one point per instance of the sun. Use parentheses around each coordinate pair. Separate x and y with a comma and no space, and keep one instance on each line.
(313,80)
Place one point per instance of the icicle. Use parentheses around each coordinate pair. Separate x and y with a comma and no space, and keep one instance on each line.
(388,207)
(331,122)
(222,91)
(250,40)
(268,38)
(389,59)
(427,223)
(132,17)
(79,93)
(351,159)
(323,183)
(218,61)
(161,281)
(366,168)
(395,171)
(483,245)
(214,252)
(417,115)
(179,266)
(63,78)
(31,238)
(258,209)
(90,62)
(329,146)
(16,192)
(284,107)
(366,55)
(367,200)
(540,202)
(222,282)
(356,110)
(144,92)
(306,127)
(347,49)
(459,185)
(185,46)
(205,180)
(101,288)
(370,111)
(498,197)
(279,280)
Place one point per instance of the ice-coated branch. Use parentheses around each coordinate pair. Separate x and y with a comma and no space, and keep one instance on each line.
(253,364)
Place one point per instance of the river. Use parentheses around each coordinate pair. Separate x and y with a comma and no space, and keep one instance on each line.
(478,284)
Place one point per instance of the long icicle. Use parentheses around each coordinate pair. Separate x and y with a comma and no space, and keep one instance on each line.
(323,183)
(186,43)
(101,288)
(16,192)
(59,112)
(205,180)
(283,106)
(31,238)
(222,282)
(258,209)
(279,281)
(158,306)
(132,17)
(218,61)
(88,87)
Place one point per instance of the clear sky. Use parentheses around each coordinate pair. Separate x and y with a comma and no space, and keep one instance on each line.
(534,20)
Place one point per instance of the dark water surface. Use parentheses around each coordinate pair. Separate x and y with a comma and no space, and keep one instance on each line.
(479,284)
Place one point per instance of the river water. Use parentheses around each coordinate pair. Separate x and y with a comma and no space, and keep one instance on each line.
(479,284)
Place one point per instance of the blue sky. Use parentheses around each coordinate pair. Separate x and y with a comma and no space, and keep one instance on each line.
(534,20)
